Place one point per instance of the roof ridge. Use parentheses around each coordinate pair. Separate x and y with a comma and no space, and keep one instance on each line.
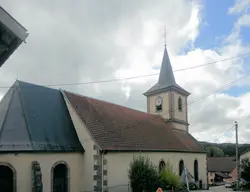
(25,114)
(6,114)
(108,102)
(65,97)
(37,85)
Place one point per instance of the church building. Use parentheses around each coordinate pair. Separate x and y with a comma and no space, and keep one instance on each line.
(55,140)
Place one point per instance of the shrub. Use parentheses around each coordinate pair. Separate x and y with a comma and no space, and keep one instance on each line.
(169,179)
(143,175)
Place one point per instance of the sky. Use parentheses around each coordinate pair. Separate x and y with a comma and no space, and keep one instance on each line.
(91,40)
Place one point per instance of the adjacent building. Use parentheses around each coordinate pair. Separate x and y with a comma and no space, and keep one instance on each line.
(221,169)
(12,34)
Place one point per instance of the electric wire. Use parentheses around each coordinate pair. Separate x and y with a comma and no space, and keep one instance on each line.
(134,77)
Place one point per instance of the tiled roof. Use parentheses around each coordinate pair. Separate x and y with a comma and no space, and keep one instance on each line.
(223,175)
(115,127)
(221,164)
(35,118)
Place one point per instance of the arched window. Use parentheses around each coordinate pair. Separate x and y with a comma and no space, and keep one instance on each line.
(60,177)
(7,177)
(181,167)
(180,104)
(196,171)
(161,165)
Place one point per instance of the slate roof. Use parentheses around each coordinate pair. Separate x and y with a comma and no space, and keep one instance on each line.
(221,164)
(118,128)
(166,77)
(35,118)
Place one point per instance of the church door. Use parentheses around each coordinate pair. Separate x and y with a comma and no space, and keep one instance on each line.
(60,178)
(6,179)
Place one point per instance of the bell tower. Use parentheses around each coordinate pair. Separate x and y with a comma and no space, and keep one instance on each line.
(167,98)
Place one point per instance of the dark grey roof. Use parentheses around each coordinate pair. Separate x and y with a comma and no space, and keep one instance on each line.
(35,118)
(166,74)
(166,77)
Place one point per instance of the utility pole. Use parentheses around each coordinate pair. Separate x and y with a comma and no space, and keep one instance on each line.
(237,162)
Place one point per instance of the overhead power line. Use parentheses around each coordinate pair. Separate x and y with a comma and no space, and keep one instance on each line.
(223,135)
(148,75)
(218,61)
(136,77)
(218,139)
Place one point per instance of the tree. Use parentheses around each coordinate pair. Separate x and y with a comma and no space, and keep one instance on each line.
(143,175)
(213,151)
(245,169)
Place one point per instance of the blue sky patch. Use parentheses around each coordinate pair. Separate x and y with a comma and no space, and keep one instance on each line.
(218,23)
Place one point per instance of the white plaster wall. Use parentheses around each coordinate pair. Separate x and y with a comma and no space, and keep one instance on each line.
(118,165)
(165,113)
(180,126)
(22,163)
(181,115)
(88,145)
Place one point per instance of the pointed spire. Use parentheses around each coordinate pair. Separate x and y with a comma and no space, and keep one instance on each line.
(166,77)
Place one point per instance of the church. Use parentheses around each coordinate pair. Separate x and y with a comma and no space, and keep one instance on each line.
(55,140)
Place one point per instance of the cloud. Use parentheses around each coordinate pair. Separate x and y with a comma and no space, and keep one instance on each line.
(239,7)
(244,20)
(95,40)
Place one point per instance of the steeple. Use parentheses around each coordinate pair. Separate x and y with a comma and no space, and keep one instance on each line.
(166,74)
(166,78)
(167,98)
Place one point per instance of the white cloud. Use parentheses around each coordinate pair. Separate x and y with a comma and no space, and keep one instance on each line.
(239,7)
(90,40)
(244,20)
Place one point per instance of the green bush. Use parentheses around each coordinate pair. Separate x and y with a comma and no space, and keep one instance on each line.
(143,175)
(169,179)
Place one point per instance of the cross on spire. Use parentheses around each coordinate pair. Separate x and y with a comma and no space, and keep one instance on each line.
(165,36)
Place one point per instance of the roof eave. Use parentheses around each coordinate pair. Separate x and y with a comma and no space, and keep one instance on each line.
(13,25)
(152,150)
(41,151)
(183,91)
(17,32)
